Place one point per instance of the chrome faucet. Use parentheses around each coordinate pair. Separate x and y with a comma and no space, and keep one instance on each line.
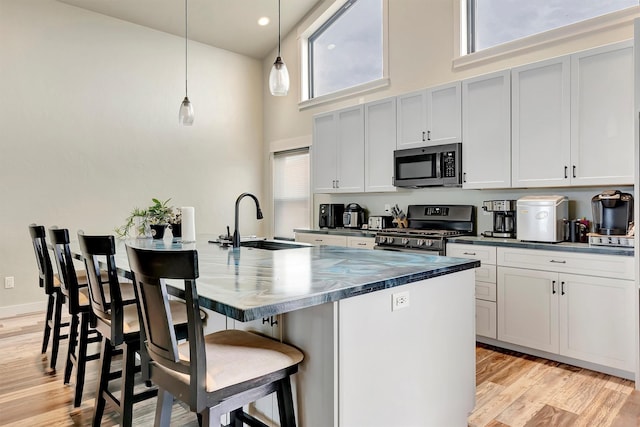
(236,233)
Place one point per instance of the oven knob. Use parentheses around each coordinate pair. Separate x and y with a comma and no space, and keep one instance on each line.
(428,242)
(389,239)
(405,241)
(420,242)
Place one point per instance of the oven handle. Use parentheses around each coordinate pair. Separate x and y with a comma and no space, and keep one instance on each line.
(439,165)
(410,250)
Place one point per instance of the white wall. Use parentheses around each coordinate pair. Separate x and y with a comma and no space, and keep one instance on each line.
(421,50)
(89,129)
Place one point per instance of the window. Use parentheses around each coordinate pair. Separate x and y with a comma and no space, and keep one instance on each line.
(494,22)
(347,49)
(290,192)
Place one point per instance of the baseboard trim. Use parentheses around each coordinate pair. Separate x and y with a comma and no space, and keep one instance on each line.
(17,310)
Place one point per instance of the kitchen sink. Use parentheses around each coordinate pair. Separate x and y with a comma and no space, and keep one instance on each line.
(272,245)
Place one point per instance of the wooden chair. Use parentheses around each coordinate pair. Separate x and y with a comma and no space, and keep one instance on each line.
(81,332)
(55,299)
(213,374)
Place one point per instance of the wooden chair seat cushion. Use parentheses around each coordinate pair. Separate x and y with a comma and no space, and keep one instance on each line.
(235,356)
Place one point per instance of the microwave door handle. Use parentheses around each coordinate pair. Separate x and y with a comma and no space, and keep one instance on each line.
(439,165)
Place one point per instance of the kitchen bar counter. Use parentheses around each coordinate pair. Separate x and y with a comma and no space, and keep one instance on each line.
(562,246)
(379,329)
(248,284)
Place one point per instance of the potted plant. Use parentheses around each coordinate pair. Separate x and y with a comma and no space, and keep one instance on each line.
(175,223)
(148,222)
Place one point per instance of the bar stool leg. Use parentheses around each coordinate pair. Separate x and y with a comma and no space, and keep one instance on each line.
(73,342)
(47,323)
(103,381)
(57,326)
(81,358)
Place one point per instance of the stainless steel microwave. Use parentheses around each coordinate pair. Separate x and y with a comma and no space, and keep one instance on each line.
(434,166)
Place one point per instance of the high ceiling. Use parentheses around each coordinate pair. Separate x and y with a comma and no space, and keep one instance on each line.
(227,24)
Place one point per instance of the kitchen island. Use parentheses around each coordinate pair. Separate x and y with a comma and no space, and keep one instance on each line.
(388,337)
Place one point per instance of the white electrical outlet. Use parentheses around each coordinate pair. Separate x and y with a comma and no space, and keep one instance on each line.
(387,207)
(399,300)
(9,282)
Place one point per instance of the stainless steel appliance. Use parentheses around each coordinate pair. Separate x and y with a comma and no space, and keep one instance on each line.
(542,218)
(612,219)
(330,215)
(434,166)
(379,222)
(504,218)
(429,228)
(353,216)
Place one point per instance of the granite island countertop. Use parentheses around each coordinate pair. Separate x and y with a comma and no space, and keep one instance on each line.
(561,246)
(248,283)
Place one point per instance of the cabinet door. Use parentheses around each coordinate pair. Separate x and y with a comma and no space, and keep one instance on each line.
(597,320)
(350,154)
(379,144)
(324,153)
(486,318)
(602,105)
(444,114)
(412,120)
(486,130)
(541,124)
(528,308)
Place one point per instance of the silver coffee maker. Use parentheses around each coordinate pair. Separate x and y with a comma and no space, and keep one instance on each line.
(504,218)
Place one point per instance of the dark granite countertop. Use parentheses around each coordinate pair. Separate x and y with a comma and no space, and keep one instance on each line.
(339,231)
(248,283)
(562,246)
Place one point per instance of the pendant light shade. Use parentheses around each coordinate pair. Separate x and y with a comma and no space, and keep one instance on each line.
(185,115)
(279,78)
(279,75)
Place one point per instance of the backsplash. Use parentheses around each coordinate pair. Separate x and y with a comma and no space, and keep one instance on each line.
(374,203)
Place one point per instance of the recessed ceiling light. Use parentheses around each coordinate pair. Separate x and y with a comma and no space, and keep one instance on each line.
(263,21)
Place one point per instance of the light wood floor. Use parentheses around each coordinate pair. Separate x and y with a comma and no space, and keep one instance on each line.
(512,390)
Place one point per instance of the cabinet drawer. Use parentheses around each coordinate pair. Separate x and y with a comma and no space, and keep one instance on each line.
(485,291)
(615,266)
(321,239)
(361,242)
(486,273)
(486,319)
(486,254)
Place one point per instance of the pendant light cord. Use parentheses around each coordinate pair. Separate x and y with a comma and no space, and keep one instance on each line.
(279,20)
(186,10)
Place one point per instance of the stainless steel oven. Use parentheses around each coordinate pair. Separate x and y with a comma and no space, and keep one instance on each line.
(429,228)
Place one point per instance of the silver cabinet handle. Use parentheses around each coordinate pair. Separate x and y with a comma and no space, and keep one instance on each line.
(558,262)
(428,135)
(464,177)
(468,253)
(424,135)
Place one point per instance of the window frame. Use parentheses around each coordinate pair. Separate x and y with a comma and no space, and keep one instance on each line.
(540,40)
(323,17)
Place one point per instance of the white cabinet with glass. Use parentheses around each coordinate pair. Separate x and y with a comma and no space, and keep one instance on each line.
(486,127)
(570,124)
(430,117)
(338,148)
(380,142)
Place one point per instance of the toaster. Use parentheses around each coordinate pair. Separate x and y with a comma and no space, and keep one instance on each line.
(380,222)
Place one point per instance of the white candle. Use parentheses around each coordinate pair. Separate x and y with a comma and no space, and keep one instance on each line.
(188,224)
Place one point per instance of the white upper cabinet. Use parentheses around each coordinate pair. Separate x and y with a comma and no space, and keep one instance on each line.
(540,113)
(602,120)
(338,151)
(430,117)
(486,126)
(380,142)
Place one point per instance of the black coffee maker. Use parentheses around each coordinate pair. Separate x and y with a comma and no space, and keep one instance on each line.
(612,212)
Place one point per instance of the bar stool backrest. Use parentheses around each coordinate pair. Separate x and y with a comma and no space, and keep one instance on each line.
(45,269)
(66,270)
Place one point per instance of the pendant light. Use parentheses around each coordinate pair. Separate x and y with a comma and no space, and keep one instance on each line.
(185,116)
(279,76)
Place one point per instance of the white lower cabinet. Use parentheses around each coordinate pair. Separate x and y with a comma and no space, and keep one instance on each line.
(485,284)
(321,239)
(361,242)
(585,317)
